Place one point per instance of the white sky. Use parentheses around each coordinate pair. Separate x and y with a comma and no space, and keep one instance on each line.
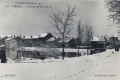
(33,21)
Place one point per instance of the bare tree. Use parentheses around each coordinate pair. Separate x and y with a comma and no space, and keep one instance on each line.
(62,22)
(106,41)
(114,10)
(89,35)
(103,40)
(80,33)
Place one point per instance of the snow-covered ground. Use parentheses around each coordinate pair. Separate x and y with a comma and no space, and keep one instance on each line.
(101,66)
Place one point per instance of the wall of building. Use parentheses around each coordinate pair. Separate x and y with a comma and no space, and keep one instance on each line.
(11,48)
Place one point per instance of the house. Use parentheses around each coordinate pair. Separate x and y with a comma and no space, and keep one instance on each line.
(53,41)
(97,42)
(30,41)
(69,43)
(11,48)
(35,41)
(114,41)
(113,38)
(45,36)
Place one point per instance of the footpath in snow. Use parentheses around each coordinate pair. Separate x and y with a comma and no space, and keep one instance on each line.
(101,66)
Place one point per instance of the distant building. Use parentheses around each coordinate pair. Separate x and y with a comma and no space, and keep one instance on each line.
(97,42)
(69,43)
(113,40)
(45,36)
(29,41)
(53,41)
(11,48)
(35,40)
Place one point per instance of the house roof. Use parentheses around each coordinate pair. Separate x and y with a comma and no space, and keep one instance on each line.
(43,34)
(113,36)
(9,38)
(52,39)
(26,37)
(34,37)
(98,39)
(30,37)
(66,39)
(95,39)
(3,36)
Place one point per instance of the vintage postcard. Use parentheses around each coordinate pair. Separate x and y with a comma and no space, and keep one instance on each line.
(59,40)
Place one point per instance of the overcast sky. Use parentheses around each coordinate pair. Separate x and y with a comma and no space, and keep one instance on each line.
(34,21)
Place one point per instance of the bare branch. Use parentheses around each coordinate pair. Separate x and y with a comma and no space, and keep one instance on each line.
(63,21)
(114,9)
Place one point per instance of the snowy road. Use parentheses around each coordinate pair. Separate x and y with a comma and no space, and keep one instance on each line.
(101,66)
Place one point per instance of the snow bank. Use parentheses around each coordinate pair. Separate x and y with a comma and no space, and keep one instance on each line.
(91,67)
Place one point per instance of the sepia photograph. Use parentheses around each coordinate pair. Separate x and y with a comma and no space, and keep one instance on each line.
(59,39)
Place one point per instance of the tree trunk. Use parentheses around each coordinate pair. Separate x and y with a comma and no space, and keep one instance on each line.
(87,48)
(63,52)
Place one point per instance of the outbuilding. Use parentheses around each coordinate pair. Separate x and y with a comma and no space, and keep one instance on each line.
(11,48)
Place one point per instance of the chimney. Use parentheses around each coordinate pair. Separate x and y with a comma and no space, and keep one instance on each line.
(31,36)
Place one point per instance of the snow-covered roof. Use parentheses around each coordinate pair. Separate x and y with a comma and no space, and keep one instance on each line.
(2,36)
(30,37)
(101,38)
(95,39)
(113,36)
(35,36)
(52,39)
(9,38)
(66,39)
(14,36)
(22,36)
(26,37)
(43,34)
(2,46)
